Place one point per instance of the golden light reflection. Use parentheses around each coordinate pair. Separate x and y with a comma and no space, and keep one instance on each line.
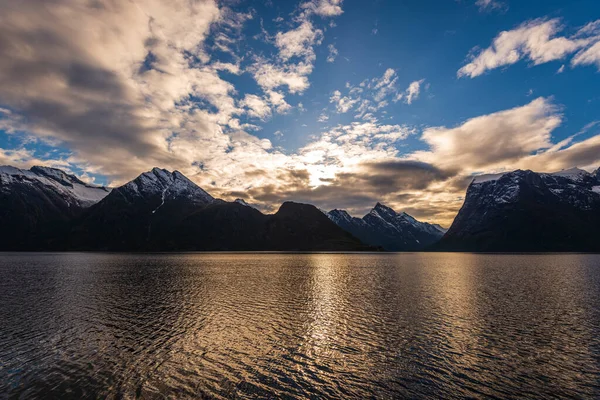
(327,290)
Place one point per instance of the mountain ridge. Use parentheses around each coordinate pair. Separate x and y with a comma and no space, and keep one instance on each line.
(382,226)
(48,209)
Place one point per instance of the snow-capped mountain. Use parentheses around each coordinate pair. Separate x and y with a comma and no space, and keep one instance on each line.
(528,211)
(384,227)
(37,205)
(167,185)
(71,189)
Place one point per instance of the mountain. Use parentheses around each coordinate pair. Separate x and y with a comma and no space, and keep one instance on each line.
(384,227)
(235,227)
(165,211)
(528,211)
(37,205)
(135,215)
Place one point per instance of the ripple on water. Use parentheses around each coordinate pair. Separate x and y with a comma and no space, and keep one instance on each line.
(299,325)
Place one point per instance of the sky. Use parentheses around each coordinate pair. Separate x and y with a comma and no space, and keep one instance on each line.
(338,103)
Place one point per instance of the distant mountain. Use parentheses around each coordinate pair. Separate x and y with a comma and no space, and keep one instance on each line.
(528,211)
(384,227)
(165,211)
(37,206)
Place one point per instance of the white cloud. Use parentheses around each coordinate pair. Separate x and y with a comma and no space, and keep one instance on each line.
(299,42)
(295,50)
(323,118)
(323,8)
(372,95)
(271,76)
(489,5)
(277,100)
(588,56)
(561,69)
(492,141)
(413,91)
(534,40)
(256,106)
(343,104)
(333,53)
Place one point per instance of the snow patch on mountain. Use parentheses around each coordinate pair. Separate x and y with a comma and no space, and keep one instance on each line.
(575,174)
(170,185)
(72,189)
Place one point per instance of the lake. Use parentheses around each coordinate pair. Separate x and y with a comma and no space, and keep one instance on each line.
(299,325)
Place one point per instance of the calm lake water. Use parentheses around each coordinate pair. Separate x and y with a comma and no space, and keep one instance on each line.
(299,325)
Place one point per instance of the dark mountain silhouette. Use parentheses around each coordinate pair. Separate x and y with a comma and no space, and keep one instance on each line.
(528,211)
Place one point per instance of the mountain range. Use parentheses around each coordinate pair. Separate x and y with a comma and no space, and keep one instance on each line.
(47,209)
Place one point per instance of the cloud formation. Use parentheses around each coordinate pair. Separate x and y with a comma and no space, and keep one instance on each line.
(536,41)
(490,5)
(128,86)
(372,95)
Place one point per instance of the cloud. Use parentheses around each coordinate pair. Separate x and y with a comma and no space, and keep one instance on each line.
(536,41)
(299,42)
(256,106)
(494,140)
(271,76)
(490,5)
(295,57)
(96,94)
(588,57)
(389,181)
(343,104)
(333,53)
(413,91)
(372,95)
(323,8)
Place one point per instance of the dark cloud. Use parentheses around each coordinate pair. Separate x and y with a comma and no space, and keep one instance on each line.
(391,181)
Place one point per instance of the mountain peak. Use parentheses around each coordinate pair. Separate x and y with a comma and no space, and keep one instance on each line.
(383,211)
(244,203)
(168,184)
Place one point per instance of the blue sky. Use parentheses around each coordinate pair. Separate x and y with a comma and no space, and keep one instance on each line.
(337,103)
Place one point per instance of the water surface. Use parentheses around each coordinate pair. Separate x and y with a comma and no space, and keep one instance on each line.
(299,325)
